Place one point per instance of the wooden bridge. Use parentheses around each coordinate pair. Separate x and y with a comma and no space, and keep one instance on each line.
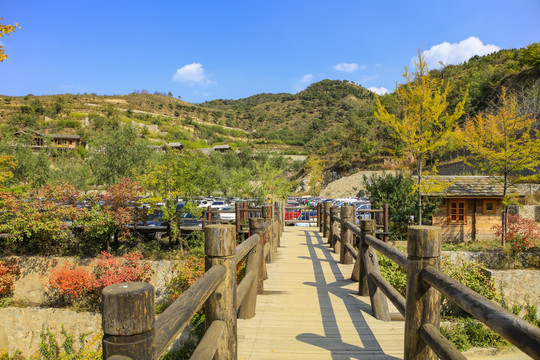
(307,293)
(310,309)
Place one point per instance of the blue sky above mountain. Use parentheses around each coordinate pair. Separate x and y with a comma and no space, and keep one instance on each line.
(211,49)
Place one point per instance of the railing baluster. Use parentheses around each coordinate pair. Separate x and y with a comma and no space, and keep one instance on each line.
(347,214)
(220,248)
(422,302)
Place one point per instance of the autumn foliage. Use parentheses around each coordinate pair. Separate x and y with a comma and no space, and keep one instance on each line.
(74,282)
(8,273)
(57,219)
(521,233)
(187,272)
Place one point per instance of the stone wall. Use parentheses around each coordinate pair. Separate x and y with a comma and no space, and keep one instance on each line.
(31,286)
(518,286)
(531,212)
(21,327)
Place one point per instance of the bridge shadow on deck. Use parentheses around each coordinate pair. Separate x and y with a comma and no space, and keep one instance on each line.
(332,339)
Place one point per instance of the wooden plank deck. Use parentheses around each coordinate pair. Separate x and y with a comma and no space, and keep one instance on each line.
(310,309)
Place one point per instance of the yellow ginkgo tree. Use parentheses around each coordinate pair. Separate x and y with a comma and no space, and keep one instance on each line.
(424,121)
(502,144)
(4,31)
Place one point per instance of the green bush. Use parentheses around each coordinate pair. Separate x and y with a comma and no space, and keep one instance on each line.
(468,332)
(393,273)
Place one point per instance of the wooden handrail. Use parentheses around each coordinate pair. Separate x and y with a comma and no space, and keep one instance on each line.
(208,345)
(391,293)
(517,331)
(424,283)
(444,349)
(131,330)
(176,317)
(246,246)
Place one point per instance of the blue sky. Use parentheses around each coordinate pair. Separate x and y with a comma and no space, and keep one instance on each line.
(204,50)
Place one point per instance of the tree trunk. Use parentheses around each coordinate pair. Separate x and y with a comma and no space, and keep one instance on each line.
(420,190)
(504,212)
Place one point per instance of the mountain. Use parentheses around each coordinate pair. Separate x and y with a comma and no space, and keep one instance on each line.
(331,118)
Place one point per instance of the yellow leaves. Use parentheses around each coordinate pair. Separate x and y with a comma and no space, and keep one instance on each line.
(6,166)
(424,120)
(6,30)
(501,141)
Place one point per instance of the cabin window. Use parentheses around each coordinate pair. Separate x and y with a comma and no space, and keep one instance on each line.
(457,212)
(489,207)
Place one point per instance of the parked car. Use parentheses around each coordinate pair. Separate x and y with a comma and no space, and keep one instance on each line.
(226,213)
(218,205)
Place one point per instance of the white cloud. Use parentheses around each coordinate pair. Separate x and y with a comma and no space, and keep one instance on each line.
(378,91)
(192,74)
(306,79)
(346,67)
(457,53)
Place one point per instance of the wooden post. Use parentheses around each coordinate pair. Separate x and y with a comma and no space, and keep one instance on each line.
(209,214)
(238,217)
(326,215)
(128,320)
(333,226)
(266,211)
(334,211)
(220,248)
(277,213)
(256,226)
(368,228)
(319,220)
(347,214)
(379,303)
(321,215)
(385,222)
(247,308)
(422,304)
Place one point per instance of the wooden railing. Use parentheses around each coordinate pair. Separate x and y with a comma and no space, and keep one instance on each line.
(425,284)
(130,327)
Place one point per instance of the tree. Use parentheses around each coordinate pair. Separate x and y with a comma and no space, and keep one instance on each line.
(397,190)
(502,144)
(6,30)
(7,164)
(115,153)
(314,167)
(424,121)
(178,176)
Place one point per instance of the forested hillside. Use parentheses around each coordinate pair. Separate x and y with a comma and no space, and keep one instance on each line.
(331,118)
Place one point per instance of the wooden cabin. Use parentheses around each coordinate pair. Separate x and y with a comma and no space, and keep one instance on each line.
(59,141)
(472,205)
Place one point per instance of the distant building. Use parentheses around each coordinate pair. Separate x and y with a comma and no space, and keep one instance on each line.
(175,146)
(222,148)
(58,141)
(470,208)
(219,148)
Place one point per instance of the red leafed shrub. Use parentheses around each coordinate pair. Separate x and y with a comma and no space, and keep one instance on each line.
(8,273)
(72,281)
(111,270)
(82,285)
(521,233)
(188,271)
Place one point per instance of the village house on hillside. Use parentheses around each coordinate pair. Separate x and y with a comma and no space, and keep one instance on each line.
(219,148)
(59,141)
(470,207)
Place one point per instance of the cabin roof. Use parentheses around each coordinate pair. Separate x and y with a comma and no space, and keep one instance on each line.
(468,186)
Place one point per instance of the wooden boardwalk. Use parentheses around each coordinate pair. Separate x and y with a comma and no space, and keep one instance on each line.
(310,309)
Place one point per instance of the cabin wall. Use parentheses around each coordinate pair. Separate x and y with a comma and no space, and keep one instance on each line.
(479,221)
